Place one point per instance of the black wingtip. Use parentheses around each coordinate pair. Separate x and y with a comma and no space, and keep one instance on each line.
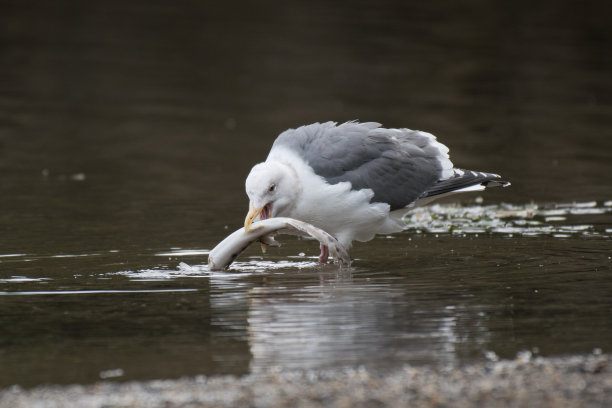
(464,179)
(496,183)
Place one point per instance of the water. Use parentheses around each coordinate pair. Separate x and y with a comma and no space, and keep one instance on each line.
(127,129)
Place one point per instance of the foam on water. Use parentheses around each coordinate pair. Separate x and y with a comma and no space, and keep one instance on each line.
(263,265)
(561,220)
(154,274)
(248,266)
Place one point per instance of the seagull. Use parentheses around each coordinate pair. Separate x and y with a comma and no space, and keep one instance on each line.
(355,180)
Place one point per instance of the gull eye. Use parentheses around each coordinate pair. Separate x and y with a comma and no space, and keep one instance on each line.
(272,188)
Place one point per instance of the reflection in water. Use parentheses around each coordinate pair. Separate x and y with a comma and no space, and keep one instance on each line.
(303,316)
(339,322)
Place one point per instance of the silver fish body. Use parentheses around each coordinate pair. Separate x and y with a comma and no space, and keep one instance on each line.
(263,231)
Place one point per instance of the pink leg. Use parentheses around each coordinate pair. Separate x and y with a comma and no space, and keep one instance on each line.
(324,254)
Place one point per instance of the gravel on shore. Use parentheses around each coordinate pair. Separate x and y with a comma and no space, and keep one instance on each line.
(574,381)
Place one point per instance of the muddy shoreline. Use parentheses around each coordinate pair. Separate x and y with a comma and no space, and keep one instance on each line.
(584,381)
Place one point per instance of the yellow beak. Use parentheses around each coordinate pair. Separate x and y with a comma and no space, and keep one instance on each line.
(253,213)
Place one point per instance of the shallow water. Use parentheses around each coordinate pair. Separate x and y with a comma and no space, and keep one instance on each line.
(126,132)
(417,297)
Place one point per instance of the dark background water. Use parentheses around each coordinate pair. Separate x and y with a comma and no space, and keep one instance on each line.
(127,130)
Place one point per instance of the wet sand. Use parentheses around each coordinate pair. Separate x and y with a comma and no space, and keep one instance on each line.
(576,381)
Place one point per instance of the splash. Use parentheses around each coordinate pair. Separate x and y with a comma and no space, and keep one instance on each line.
(249,266)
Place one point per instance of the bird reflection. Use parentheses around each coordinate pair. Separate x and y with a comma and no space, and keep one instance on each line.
(321,319)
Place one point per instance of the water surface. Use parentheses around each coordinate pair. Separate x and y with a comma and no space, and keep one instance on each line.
(127,130)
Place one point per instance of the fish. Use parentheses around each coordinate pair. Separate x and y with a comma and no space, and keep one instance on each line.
(222,255)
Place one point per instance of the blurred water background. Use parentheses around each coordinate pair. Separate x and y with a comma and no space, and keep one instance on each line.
(127,129)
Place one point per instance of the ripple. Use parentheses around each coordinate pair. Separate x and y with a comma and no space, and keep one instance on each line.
(71,255)
(22,279)
(184,252)
(90,292)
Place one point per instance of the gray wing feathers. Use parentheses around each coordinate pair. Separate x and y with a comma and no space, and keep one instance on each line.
(397,164)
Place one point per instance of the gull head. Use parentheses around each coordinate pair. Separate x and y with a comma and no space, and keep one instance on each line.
(273,189)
